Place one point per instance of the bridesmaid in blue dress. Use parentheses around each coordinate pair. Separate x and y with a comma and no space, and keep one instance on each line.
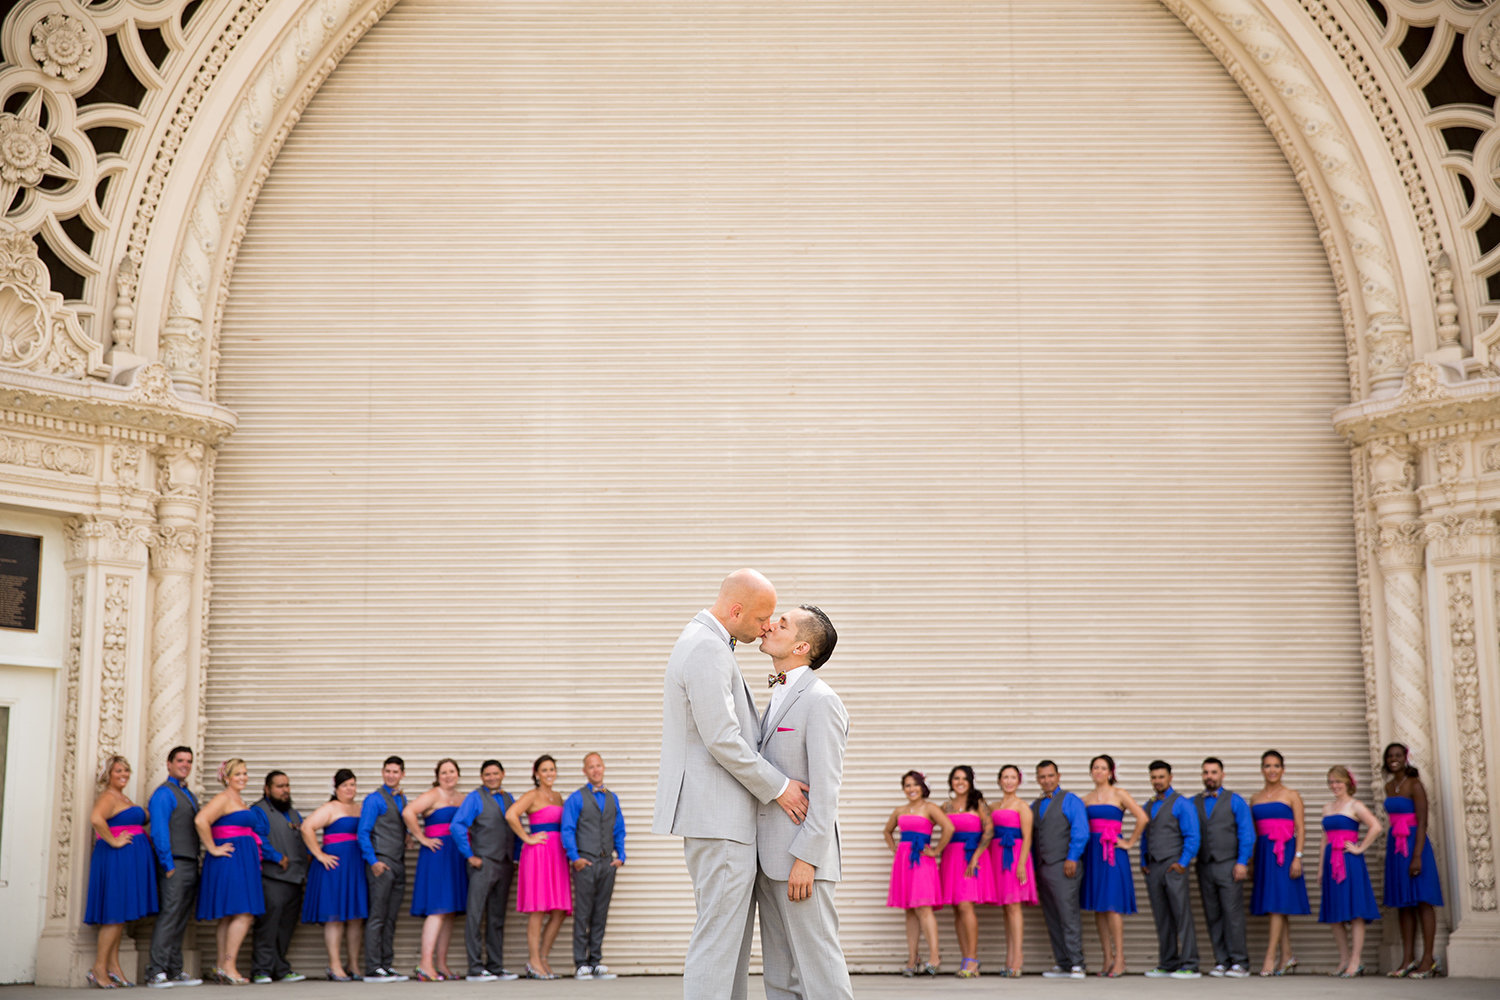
(338,895)
(229,889)
(1278,888)
(441,889)
(1411,875)
(1108,887)
(122,871)
(1345,880)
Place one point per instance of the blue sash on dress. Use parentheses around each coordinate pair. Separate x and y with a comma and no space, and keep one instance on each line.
(918,842)
(1007,835)
(970,840)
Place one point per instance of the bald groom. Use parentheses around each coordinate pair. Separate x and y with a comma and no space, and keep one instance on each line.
(712,781)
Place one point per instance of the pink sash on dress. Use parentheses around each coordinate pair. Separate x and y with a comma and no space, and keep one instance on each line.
(1336,841)
(338,838)
(1109,832)
(1402,824)
(1278,832)
(230,832)
(437,829)
(134,831)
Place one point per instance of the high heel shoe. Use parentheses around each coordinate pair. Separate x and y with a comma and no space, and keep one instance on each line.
(968,969)
(1290,968)
(1353,973)
(336,979)
(89,978)
(534,974)
(1403,971)
(423,977)
(910,970)
(1432,973)
(120,981)
(929,968)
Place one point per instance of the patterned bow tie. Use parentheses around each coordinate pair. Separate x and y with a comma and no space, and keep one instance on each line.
(732,642)
(775,679)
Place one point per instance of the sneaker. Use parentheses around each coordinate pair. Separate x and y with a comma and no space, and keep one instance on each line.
(292,977)
(1056,972)
(505,976)
(1078,972)
(396,977)
(380,976)
(584,972)
(183,979)
(602,972)
(261,977)
(1217,971)
(160,981)
(1158,973)
(1238,972)
(482,976)
(1187,974)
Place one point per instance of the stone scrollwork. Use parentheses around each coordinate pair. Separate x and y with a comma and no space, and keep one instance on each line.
(33,453)
(66,798)
(1448,456)
(1468,703)
(1455,537)
(1489,459)
(1388,342)
(116,622)
(179,471)
(1392,468)
(38,332)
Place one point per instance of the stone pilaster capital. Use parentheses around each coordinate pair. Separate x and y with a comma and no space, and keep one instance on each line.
(1460,536)
(107,537)
(174,548)
(1399,545)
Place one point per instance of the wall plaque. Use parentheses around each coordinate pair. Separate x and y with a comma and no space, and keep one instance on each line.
(20,580)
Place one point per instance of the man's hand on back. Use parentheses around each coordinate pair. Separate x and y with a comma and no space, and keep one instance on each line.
(793,802)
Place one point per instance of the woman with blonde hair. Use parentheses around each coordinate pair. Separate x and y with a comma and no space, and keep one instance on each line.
(1348,901)
(229,890)
(122,871)
(440,891)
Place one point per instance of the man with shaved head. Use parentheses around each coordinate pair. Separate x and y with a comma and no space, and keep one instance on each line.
(713,781)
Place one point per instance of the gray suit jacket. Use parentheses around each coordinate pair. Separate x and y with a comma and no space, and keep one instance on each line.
(805,741)
(711,776)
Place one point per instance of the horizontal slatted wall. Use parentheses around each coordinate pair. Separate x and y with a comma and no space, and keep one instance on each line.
(999,330)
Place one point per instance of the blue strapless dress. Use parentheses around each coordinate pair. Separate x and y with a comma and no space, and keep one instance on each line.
(1400,888)
(1106,888)
(1273,890)
(231,885)
(344,892)
(442,882)
(122,880)
(1353,898)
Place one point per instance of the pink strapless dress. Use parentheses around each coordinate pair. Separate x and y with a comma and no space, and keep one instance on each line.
(914,876)
(542,876)
(1009,888)
(958,885)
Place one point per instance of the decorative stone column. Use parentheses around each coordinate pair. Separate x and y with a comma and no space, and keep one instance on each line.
(174,564)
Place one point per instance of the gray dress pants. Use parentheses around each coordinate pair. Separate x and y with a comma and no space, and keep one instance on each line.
(1059,898)
(1224,910)
(592,889)
(177,896)
(273,929)
(380,926)
(1176,937)
(484,914)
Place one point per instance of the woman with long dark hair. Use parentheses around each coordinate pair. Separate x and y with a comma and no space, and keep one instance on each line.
(964,869)
(1010,860)
(542,888)
(1278,889)
(1411,875)
(914,868)
(338,894)
(1108,883)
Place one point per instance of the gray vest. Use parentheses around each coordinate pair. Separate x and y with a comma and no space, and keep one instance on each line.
(1221,838)
(596,827)
(489,835)
(1052,831)
(1164,842)
(180,825)
(287,839)
(388,835)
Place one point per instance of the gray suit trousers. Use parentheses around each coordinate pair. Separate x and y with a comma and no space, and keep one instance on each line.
(718,957)
(1224,910)
(484,914)
(800,942)
(178,896)
(1176,937)
(1059,898)
(273,929)
(593,887)
(385,903)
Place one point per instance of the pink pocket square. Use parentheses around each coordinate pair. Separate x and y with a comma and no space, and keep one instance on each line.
(785,729)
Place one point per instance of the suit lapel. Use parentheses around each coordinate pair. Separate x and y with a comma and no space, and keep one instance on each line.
(769,728)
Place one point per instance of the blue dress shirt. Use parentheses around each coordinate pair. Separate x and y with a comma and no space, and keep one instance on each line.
(262,826)
(468,812)
(1077,815)
(372,809)
(574,805)
(163,801)
(1187,822)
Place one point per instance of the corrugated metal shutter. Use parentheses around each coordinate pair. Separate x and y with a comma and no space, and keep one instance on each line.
(1000,331)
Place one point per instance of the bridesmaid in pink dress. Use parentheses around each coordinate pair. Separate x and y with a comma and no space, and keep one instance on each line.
(965,865)
(914,869)
(1010,860)
(542,886)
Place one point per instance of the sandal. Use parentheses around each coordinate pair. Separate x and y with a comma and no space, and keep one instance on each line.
(910,970)
(964,970)
(929,969)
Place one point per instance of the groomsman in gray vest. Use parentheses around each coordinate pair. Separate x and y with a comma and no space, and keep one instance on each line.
(593,836)
(803,733)
(283,871)
(712,779)
(1060,832)
(175,841)
(482,836)
(382,843)
(1168,846)
(1223,865)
